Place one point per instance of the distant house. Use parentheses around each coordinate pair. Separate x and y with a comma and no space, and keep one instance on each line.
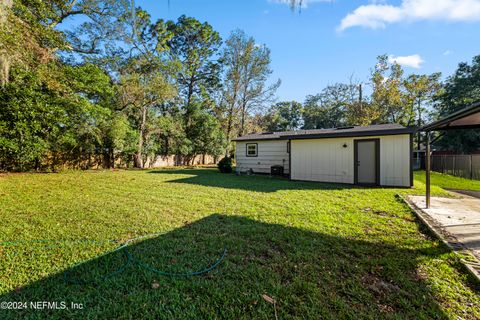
(369,155)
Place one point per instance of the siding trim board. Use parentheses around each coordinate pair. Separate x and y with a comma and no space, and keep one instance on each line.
(411,159)
(290,159)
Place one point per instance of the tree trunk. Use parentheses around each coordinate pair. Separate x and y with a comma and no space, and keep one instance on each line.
(112,158)
(230,116)
(4,69)
(191,85)
(138,155)
(242,124)
(229,126)
(244,99)
(167,146)
(5,60)
(190,92)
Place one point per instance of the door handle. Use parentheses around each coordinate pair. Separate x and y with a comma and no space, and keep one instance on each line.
(358,163)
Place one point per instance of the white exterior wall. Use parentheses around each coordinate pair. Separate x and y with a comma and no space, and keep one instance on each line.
(395,159)
(327,160)
(270,152)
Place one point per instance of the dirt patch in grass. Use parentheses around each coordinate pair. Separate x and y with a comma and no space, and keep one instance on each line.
(387,214)
(381,290)
(419,275)
(377,286)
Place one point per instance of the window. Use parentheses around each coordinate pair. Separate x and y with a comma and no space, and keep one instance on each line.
(252,149)
(288,147)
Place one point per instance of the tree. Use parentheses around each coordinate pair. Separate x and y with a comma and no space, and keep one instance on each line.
(396,99)
(194,44)
(255,70)
(420,91)
(145,81)
(387,92)
(30,35)
(71,101)
(80,140)
(328,109)
(247,70)
(460,90)
(143,88)
(29,113)
(284,116)
(56,120)
(104,90)
(231,58)
(105,24)
(205,135)
(26,40)
(119,140)
(5,49)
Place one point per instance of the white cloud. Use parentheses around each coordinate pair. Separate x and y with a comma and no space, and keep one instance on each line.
(373,16)
(302,3)
(378,15)
(413,61)
(447,52)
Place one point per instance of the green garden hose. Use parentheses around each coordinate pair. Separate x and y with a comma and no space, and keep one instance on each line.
(129,259)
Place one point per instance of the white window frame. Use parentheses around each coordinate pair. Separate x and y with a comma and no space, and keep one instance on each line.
(251,145)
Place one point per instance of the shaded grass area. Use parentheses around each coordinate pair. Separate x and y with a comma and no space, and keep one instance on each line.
(446,181)
(321,250)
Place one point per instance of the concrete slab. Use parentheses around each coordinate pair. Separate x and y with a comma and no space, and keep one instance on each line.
(459,217)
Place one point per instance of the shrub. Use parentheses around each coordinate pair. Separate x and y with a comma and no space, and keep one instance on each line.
(225,165)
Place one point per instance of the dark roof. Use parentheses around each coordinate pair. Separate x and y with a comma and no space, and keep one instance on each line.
(467,118)
(354,131)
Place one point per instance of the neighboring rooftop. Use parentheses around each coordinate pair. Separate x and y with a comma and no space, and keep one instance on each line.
(353,131)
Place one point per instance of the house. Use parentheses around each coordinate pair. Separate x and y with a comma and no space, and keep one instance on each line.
(364,155)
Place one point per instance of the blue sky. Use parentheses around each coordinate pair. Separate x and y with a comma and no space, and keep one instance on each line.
(314,48)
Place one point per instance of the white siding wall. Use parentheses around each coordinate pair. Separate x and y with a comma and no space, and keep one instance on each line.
(270,153)
(395,160)
(327,160)
(323,160)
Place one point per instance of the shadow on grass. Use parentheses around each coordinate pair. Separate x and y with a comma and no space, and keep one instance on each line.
(311,275)
(259,183)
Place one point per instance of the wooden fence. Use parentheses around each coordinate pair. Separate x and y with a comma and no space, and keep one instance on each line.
(465,166)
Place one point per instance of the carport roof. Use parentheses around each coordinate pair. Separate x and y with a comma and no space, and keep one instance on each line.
(353,131)
(467,118)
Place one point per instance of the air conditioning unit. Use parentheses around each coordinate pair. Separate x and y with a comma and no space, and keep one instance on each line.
(276,170)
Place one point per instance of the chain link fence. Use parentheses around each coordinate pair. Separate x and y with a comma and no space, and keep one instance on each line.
(465,166)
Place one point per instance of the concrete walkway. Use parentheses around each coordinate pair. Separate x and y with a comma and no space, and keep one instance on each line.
(458,217)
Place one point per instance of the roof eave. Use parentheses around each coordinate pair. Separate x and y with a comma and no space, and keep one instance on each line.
(442,124)
(408,130)
(396,131)
(255,139)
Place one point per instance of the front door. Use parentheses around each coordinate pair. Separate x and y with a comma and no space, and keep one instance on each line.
(367,162)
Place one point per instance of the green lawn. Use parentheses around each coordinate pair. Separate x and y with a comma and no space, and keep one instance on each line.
(321,250)
(449,182)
